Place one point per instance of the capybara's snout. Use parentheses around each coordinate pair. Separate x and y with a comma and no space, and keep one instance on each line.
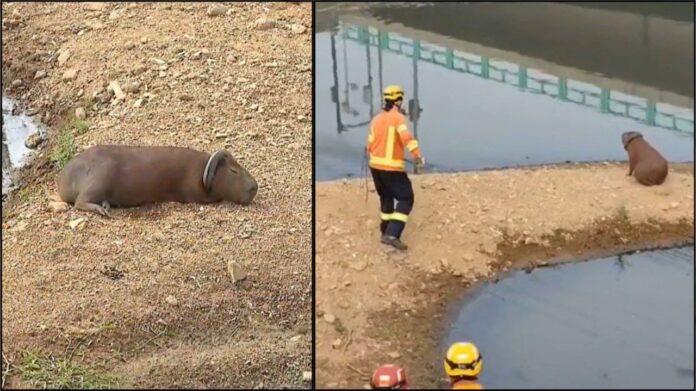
(252,187)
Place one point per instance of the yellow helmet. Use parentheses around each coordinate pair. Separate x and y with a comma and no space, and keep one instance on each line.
(463,359)
(393,92)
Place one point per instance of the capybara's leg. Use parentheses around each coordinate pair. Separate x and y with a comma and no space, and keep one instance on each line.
(82,203)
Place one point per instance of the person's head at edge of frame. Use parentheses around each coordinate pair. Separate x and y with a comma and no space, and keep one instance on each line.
(463,365)
(389,377)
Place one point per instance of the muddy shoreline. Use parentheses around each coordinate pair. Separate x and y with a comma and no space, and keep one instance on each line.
(389,333)
(450,290)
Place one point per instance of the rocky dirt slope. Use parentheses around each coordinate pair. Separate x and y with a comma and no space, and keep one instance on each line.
(148,295)
(376,305)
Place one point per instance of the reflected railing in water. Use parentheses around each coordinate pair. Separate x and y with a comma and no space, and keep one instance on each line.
(528,80)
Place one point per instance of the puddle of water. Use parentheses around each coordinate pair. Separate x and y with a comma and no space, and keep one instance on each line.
(620,322)
(15,130)
(485,105)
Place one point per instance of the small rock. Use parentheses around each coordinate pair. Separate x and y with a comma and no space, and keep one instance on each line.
(185,97)
(359,265)
(33,141)
(70,74)
(20,226)
(394,355)
(63,58)
(39,75)
(336,343)
(444,263)
(265,24)
(329,318)
(307,376)
(296,338)
(95,6)
(116,88)
(138,103)
(159,61)
(217,10)
(80,113)
(58,206)
(236,271)
(171,300)
(16,83)
(77,222)
(133,87)
(674,205)
(297,28)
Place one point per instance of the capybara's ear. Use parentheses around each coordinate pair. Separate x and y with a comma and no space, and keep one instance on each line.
(210,168)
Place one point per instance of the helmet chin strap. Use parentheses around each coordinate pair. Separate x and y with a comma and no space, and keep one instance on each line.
(206,171)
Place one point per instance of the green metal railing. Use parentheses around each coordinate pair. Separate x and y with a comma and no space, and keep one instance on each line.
(553,86)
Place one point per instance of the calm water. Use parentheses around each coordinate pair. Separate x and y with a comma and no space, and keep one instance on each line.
(15,130)
(608,323)
(502,85)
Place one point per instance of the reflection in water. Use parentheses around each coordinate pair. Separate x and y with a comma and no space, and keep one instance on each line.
(472,110)
(587,325)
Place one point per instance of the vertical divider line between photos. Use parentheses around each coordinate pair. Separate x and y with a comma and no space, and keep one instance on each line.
(314,216)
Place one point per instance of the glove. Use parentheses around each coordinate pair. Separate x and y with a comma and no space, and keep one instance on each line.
(420,162)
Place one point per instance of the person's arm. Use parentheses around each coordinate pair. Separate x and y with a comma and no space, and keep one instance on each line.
(370,138)
(408,140)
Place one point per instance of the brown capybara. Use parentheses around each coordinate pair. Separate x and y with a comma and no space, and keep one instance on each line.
(122,176)
(645,163)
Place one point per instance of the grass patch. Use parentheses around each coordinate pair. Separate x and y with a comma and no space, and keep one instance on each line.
(80,126)
(50,372)
(64,150)
(622,214)
(23,195)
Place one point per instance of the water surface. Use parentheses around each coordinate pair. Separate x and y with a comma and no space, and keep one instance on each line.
(15,130)
(503,85)
(619,322)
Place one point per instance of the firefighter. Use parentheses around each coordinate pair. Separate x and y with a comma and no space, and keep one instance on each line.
(389,377)
(463,365)
(388,137)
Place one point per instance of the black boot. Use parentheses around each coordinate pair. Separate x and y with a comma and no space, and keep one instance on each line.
(383,226)
(394,242)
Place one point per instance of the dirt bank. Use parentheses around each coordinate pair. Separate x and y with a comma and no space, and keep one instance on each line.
(376,305)
(147,295)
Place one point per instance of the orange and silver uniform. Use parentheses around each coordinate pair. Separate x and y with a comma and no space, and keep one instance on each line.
(466,385)
(388,137)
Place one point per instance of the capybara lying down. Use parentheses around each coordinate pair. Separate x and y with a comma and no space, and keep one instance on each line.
(111,175)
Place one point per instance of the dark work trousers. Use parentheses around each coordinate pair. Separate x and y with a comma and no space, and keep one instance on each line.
(393,185)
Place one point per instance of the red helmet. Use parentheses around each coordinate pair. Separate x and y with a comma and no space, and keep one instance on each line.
(389,376)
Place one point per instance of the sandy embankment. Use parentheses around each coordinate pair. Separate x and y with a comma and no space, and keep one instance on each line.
(376,305)
(147,295)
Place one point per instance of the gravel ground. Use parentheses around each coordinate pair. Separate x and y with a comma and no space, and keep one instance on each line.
(147,295)
(375,305)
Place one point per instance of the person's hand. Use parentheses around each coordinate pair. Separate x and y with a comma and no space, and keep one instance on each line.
(420,162)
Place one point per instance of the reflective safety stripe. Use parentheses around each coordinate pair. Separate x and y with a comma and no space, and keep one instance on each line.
(371,137)
(386,216)
(402,128)
(413,144)
(391,135)
(399,216)
(387,162)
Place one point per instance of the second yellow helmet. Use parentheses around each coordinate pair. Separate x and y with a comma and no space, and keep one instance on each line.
(463,359)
